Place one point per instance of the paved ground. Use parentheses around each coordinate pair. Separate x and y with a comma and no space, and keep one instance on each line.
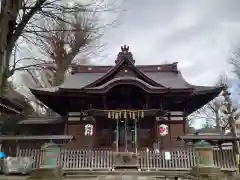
(104,177)
(125,177)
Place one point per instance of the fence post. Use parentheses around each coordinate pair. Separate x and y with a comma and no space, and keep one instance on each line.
(49,167)
(148,163)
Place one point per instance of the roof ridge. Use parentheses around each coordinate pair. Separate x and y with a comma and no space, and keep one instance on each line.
(105,68)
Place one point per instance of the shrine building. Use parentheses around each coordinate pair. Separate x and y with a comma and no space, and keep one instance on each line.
(124,107)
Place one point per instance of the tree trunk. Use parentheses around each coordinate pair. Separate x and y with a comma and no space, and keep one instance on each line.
(59,76)
(9,12)
(3,66)
(3,55)
(232,124)
(218,127)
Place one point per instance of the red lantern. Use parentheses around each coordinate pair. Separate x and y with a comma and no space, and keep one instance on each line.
(163,131)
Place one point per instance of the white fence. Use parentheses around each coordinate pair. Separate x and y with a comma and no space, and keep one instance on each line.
(181,159)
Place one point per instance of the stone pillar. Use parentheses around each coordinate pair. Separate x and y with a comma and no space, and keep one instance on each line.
(204,152)
(205,168)
(49,167)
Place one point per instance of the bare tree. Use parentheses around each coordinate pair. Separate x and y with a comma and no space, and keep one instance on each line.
(209,113)
(235,61)
(20,18)
(215,111)
(61,47)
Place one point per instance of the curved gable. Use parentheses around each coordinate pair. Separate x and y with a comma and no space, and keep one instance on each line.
(126,80)
(124,63)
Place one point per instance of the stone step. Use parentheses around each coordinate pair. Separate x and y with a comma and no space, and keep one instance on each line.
(125,177)
(79,176)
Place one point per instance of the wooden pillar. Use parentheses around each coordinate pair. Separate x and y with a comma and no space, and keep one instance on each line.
(185,123)
(169,128)
(92,138)
(104,102)
(147,101)
(65,120)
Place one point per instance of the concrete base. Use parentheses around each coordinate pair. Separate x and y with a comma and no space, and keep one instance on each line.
(206,172)
(47,173)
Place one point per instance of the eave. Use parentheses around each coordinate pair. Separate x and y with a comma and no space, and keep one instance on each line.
(52,98)
(202,97)
(57,99)
(212,139)
(205,89)
(198,98)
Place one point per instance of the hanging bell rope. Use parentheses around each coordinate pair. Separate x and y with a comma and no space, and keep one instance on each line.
(120,115)
(133,115)
(116,115)
(125,114)
(142,114)
(130,115)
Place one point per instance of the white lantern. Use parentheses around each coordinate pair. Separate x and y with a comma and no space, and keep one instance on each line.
(88,130)
(163,130)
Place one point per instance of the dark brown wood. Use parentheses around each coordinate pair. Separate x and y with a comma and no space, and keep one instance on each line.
(169,129)
(147,112)
(184,124)
(147,101)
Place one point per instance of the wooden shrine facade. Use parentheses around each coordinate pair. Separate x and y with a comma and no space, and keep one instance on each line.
(121,107)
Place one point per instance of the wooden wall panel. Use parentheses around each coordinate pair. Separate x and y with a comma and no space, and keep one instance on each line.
(176,130)
(81,141)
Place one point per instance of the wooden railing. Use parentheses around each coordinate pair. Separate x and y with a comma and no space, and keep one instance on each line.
(185,159)
(86,159)
(181,159)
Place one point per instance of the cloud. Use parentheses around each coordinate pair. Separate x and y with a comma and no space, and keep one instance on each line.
(200,35)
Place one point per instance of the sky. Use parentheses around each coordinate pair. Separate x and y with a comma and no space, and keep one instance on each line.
(200,35)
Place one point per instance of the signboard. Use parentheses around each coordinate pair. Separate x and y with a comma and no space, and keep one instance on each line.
(167,155)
